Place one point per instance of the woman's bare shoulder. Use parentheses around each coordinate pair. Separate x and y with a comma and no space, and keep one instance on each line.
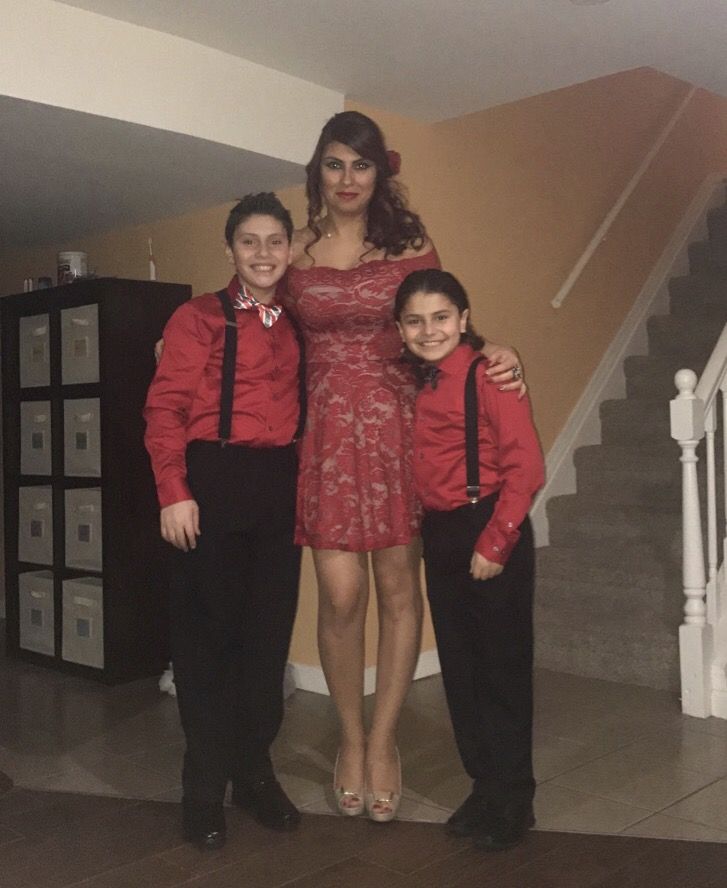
(413,252)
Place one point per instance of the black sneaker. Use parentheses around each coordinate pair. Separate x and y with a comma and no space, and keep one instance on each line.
(505,826)
(469,819)
(204,825)
(266,800)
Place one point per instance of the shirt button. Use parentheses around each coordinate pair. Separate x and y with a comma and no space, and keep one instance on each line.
(495,548)
(510,524)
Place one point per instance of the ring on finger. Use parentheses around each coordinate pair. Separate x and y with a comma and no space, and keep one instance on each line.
(517,372)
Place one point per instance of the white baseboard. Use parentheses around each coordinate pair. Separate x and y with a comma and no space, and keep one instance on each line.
(311,678)
(584,426)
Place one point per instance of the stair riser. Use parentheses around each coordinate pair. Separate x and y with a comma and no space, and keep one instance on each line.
(646,660)
(681,340)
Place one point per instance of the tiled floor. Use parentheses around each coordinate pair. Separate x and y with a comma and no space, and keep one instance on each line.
(609,758)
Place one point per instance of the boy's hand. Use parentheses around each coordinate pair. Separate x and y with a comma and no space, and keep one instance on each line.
(180,524)
(482,569)
(505,369)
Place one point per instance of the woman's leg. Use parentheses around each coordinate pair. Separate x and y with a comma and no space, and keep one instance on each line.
(399,598)
(343,591)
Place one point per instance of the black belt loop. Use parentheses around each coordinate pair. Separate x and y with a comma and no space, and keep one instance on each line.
(229,359)
(472,443)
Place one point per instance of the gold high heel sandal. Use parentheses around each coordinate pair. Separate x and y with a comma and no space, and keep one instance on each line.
(387,803)
(350,802)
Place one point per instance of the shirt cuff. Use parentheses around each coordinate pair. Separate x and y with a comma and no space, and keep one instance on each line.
(174,491)
(495,545)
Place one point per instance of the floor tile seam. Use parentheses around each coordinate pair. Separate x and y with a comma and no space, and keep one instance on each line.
(686,798)
(556,781)
(602,798)
(681,820)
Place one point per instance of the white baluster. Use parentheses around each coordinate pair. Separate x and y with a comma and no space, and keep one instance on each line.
(695,635)
(709,429)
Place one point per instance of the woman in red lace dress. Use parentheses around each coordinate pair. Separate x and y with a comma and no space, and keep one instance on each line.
(355,493)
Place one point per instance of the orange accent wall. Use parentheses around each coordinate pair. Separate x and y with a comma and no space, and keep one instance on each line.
(511,197)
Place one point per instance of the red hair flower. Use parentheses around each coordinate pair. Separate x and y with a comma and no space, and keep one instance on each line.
(394,159)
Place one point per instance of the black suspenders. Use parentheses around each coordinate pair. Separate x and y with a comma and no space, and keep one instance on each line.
(229,358)
(472,445)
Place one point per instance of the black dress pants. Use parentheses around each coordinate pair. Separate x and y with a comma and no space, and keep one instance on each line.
(233,604)
(485,642)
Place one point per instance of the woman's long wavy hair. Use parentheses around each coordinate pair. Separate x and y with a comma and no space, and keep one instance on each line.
(390,225)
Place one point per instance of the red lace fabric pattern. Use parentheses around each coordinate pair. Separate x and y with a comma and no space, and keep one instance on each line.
(355,490)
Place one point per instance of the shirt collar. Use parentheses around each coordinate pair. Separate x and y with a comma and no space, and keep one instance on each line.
(457,360)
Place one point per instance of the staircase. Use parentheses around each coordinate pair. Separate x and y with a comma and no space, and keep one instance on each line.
(609,588)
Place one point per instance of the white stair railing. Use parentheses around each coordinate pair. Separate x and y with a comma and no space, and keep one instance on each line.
(703,635)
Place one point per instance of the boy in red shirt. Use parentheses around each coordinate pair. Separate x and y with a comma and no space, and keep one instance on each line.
(477,466)
(222,414)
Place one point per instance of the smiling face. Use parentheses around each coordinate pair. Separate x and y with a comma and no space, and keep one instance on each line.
(347,179)
(431,325)
(260,252)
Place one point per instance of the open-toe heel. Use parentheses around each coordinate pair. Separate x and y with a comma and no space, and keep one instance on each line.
(383,806)
(350,802)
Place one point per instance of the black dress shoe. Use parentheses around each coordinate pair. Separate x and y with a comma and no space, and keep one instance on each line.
(505,827)
(266,800)
(204,826)
(469,819)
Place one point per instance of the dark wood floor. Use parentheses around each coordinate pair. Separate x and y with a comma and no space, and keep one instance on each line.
(54,840)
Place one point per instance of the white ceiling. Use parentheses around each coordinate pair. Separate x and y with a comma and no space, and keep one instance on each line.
(65,174)
(435,59)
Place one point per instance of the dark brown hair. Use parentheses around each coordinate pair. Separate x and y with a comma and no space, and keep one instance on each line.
(265,203)
(434,280)
(390,225)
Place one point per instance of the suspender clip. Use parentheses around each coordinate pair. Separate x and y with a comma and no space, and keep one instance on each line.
(473,494)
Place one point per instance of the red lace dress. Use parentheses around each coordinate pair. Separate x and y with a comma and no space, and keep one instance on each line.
(355,489)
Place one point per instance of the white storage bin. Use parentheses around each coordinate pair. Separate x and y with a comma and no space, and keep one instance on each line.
(35,524)
(35,438)
(82,437)
(79,344)
(83,528)
(83,621)
(37,623)
(34,351)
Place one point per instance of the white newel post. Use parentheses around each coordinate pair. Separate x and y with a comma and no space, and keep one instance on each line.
(695,634)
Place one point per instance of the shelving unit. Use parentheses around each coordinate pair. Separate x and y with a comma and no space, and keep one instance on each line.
(85,577)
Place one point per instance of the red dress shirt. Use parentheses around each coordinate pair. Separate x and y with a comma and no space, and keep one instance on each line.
(183,402)
(511,460)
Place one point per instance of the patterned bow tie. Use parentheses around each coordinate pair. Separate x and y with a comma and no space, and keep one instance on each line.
(268,313)
(430,372)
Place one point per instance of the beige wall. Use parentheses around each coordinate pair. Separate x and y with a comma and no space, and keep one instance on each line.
(511,196)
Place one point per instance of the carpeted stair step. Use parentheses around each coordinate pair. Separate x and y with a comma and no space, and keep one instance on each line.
(634,564)
(702,294)
(717,226)
(651,377)
(669,335)
(631,420)
(644,657)
(705,256)
(610,605)
(630,475)
(575,520)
